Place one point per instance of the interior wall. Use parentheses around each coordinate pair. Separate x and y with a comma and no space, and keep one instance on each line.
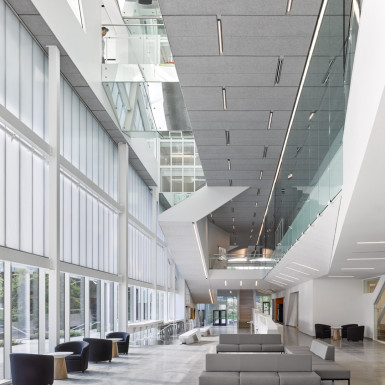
(217,238)
(292,310)
(338,301)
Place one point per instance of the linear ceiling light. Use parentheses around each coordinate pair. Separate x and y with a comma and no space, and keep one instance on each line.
(364,259)
(357,268)
(240,283)
(311,116)
(256,204)
(260,174)
(200,249)
(285,279)
(220,37)
(224,98)
(233,227)
(298,271)
(279,282)
(308,267)
(357,12)
(340,276)
(264,152)
(229,164)
(270,120)
(279,69)
(371,243)
(290,276)
(227,134)
(256,283)
(233,219)
(225,283)
(289,5)
(211,296)
(308,60)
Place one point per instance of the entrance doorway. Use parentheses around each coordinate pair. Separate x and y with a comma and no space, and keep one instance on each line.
(266,307)
(219,317)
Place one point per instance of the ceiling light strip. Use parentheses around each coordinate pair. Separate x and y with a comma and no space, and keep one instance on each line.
(265,152)
(365,259)
(309,56)
(290,276)
(200,249)
(270,120)
(229,164)
(224,98)
(371,243)
(260,174)
(220,37)
(289,5)
(357,268)
(211,296)
(340,276)
(279,282)
(308,267)
(298,271)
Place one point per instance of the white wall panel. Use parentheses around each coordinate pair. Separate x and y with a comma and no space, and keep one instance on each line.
(2,53)
(95,235)
(75,219)
(38,205)
(67,134)
(38,90)
(75,129)
(26,77)
(83,138)
(89,231)
(2,181)
(82,228)
(67,193)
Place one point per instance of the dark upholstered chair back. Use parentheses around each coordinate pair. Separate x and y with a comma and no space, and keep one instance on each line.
(100,349)
(322,331)
(31,369)
(344,329)
(122,345)
(78,361)
(355,333)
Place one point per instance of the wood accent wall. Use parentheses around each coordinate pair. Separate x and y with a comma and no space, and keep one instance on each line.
(246,304)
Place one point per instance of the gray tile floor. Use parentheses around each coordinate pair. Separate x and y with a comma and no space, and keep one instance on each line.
(182,364)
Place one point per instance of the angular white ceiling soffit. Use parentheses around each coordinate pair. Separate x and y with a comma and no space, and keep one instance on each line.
(311,256)
(177,226)
(255,34)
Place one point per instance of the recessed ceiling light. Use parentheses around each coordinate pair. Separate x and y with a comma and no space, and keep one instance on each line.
(279,69)
(308,267)
(289,4)
(364,259)
(260,174)
(270,120)
(285,279)
(256,204)
(224,98)
(298,271)
(357,268)
(203,260)
(256,283)
(240,283)
(311,116)
(233,219)
(227,134)
(290,175)
(225,283)
(220,38)
(251,230)
(341,276)
(230,292)
(229,164)
(279,282)
(264,152)
(371,243)
(251,236)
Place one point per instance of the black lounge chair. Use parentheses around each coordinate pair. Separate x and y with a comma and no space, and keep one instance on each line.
(344,329)
(100,349)
(122,345)
(31,369)
(78,361)
(355,333)
(322,331)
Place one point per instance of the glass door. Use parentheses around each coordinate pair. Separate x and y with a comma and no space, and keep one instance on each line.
(219,317)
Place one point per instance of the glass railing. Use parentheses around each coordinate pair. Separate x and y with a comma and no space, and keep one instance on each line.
(311,173)
(241,262)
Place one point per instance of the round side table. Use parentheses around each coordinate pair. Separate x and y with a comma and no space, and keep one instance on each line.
(115,352)
(60,367)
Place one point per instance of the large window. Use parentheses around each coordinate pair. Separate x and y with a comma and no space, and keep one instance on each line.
(77,315)
(25,309)
(109,306)
(95,307)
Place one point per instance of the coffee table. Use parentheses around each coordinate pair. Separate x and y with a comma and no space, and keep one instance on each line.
(115,352)
(336,334)
(60,367)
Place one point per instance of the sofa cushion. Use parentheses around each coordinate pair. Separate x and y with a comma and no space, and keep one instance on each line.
(227,348)
(293,363)
(223,362)
(322,349)
(299,378)
(273,348)
(258,363)
(229,338)
(331,371)
(250,348)
(216,378)
(297,350)
(259,378)
(259,339)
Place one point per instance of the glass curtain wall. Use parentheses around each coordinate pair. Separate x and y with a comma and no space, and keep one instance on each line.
(77,314)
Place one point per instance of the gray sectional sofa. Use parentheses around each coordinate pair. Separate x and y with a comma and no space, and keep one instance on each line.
(258,369)
(250,343)
(323,364)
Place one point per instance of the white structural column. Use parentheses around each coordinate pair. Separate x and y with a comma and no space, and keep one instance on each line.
(7,318)
(154,250)
(123,235)
(54,194)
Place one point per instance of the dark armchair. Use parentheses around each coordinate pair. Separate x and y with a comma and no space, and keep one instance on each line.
(78,361)
(31,369)
(355,333)
(122,345)
(344,329)
(322,331)
(100,350)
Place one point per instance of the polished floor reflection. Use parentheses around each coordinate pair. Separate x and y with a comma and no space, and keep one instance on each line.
(169,362)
